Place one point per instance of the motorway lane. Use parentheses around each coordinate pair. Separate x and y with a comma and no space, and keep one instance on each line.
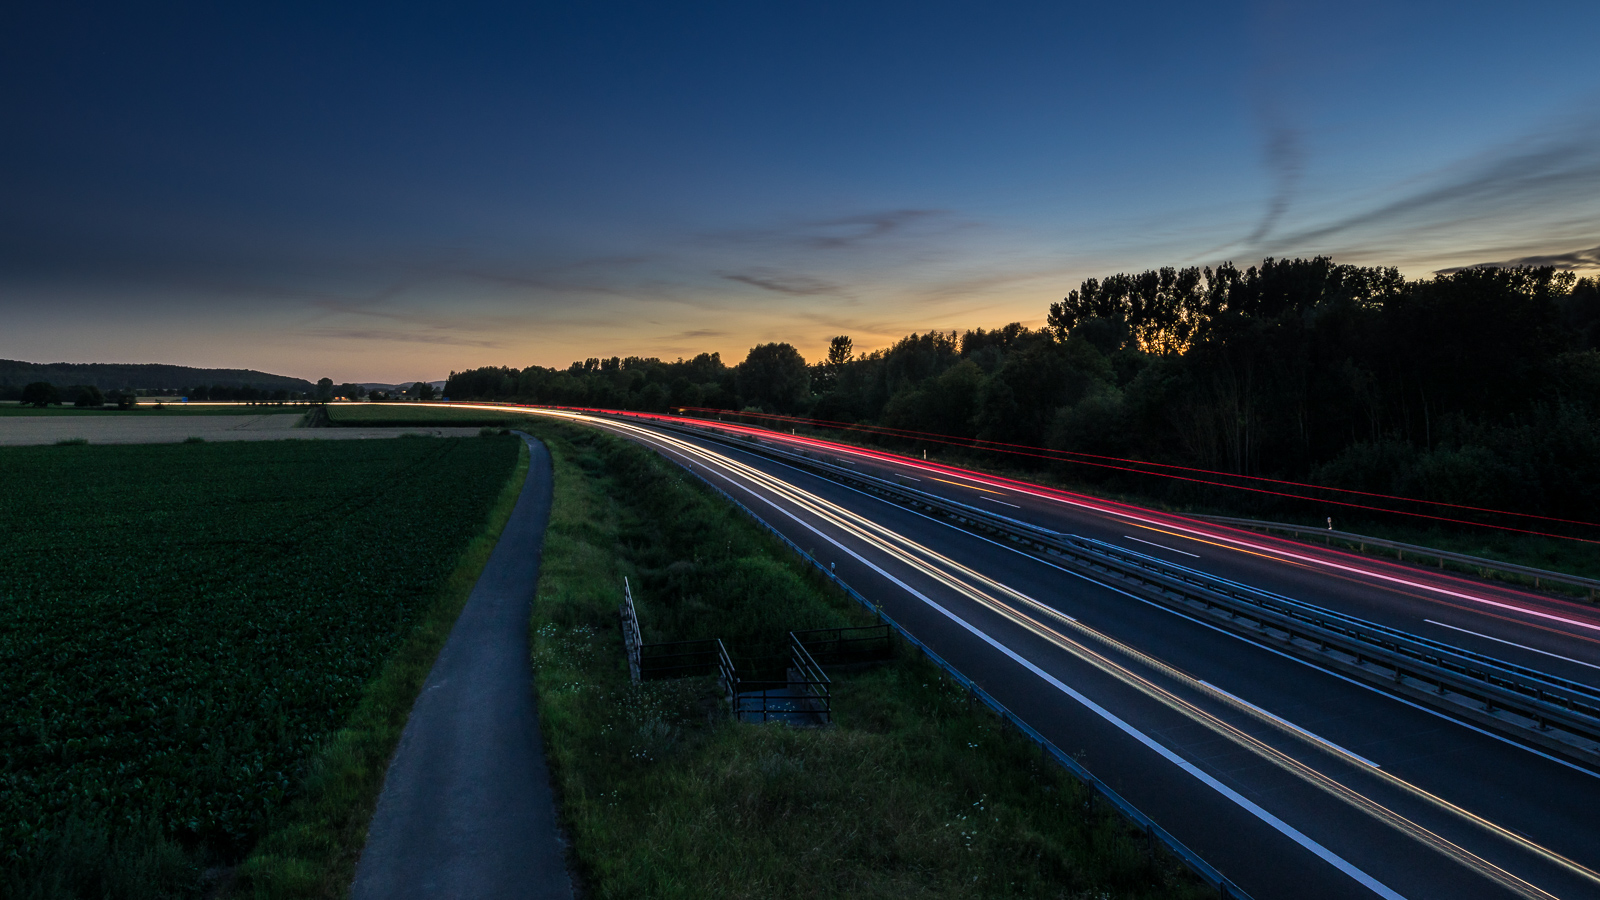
(1550,634)
(1544,801)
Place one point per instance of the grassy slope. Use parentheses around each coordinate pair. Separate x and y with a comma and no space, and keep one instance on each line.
(312,849)
(184,624)
(911,794)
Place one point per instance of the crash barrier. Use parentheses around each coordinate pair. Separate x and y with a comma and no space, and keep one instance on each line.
(1154,833)
(1361,542)
(1553,712)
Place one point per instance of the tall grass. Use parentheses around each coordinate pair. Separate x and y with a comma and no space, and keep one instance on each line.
(912,793)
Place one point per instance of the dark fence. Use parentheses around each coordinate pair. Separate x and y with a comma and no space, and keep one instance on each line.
(842,646)
(802,697)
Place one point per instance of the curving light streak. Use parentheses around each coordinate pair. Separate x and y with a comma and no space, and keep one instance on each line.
(982,590)
(1222,538)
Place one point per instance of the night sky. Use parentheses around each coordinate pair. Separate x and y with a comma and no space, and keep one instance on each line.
(388,192)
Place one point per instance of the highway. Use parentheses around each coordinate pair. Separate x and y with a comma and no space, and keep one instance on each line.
(1291,780)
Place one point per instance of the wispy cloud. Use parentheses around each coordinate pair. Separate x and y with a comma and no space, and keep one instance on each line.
(851,230)
(1537,179)
(798,285)
(839,233)
(1577,260)
(407,337)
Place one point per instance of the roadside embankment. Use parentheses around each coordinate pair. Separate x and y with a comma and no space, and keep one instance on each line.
(912,792)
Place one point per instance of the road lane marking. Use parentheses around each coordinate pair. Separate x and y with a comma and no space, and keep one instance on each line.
(1288,724)
(1001,502)
(907,552)
(1513,644)
(968,486)
(1277,824)
(1438,714)
(912,477)
(1162,546)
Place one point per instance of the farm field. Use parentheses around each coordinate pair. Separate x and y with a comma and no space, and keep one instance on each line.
(371,415)
(137,429)
(910,793)
(183,626)
(148,409)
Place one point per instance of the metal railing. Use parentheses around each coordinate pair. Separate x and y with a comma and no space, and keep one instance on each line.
(831,646)
(1362,541)
(1553,712)
(678,659)
(630,631)
(803,696)
(1225,887)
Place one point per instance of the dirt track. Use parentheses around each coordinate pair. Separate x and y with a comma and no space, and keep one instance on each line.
(22,430)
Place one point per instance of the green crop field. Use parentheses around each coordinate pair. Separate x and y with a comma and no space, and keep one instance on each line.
(182,626)
(372,415)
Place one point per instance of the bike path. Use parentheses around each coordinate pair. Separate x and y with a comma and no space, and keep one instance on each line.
(466,809)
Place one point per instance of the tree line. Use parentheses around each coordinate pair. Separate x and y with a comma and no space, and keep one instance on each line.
(1479,387)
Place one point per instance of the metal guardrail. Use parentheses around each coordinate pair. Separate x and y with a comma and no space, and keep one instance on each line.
(1540,700)
(1361,541)
(1226,888)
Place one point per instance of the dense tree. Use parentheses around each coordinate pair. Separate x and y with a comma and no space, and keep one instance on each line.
(324,391)
(1476,385)
(86,395)
(774,377)
(40,394)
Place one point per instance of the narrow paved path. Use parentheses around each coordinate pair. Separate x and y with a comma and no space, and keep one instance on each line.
(466,809)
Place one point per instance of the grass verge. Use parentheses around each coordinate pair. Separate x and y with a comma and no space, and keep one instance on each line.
(311,850)
(912,792)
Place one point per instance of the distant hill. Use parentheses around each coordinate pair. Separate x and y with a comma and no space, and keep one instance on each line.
(395,388)
(135,376)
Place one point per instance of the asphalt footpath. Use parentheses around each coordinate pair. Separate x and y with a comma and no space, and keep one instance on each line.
(466,809)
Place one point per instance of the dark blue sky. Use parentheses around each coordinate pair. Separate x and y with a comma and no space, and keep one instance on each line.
(387,192)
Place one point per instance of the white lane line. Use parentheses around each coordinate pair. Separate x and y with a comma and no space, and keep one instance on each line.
(1282,827)
(1249,643)
(898,475)
(1001,502)
(1162,546)
(1288,724)
(1514,644)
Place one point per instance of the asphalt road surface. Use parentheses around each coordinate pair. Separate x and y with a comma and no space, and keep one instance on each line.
(466,810)
(1293,781)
